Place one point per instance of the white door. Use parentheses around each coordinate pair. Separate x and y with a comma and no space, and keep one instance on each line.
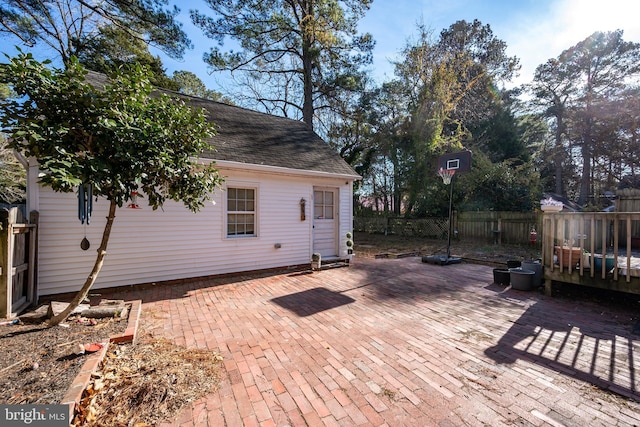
(325,213)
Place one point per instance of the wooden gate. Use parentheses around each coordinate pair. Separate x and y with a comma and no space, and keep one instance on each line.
(18,243)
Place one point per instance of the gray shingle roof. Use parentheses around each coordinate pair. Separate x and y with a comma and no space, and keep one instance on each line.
(251,137)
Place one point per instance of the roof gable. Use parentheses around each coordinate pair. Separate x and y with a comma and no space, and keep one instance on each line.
(251,137)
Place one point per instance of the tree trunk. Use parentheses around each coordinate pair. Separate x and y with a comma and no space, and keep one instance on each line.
(102,252)
(586,151)
(585,179)
(307,63)
(397,199)
(559,154)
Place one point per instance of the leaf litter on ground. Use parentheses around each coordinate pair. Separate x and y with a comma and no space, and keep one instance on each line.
(145,383)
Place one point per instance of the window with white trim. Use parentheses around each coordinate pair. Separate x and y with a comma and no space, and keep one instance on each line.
(241,212)
(323,204)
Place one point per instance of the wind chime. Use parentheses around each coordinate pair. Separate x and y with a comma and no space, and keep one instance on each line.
(85,206)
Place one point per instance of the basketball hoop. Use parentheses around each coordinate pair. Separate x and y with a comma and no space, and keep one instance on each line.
(446,175)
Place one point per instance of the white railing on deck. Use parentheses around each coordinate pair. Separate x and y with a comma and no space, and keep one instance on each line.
(576,239)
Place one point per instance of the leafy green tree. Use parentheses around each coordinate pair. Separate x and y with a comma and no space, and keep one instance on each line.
(190,84)
(627,164)
(12,176)
(390,143)
(499,134)
(5,91)
(449,92)
(500,186)
(480,64)
(604,62)
(581,89)
(305,53)
(12,173)
(114,140)
(112,47)
(535,133)
(66,25)
(452,78)
(552,88)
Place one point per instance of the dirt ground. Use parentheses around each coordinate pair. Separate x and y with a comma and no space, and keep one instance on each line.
(371,245)
(39,363)
(148,379)
(144,383)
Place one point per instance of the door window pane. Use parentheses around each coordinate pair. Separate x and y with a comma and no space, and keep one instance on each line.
(323,205)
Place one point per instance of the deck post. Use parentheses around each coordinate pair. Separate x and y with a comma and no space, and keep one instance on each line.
(548,287)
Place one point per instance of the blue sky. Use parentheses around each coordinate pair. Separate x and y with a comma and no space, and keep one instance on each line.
(534,30)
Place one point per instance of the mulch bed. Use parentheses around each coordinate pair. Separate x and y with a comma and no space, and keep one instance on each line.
(139,384)
(39,363)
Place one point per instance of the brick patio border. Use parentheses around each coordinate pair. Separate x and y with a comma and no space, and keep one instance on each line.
(91,365)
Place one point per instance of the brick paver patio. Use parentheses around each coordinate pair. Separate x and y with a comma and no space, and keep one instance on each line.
(396,342)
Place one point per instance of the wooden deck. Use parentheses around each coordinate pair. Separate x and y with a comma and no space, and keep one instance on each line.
(594,249)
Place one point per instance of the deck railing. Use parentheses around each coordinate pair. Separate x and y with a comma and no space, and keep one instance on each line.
(593,248)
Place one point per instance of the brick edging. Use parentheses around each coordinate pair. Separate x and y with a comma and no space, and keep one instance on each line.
(91,365)
(129,334)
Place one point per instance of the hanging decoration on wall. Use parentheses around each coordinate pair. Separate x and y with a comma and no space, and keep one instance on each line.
(85,207)
(303,204)
(85,203)
(134,201)
(84,244)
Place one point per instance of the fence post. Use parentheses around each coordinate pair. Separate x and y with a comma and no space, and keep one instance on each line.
(5,264)
(32,291)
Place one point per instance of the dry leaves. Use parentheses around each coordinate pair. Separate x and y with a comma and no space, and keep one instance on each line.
(143,384)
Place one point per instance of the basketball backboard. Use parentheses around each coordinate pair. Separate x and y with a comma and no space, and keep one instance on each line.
(460,161)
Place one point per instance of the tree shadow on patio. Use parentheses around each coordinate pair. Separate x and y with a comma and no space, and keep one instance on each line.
(410,279)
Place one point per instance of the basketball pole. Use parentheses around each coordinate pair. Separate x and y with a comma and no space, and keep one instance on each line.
(450,165)
(450,217)
(447,176)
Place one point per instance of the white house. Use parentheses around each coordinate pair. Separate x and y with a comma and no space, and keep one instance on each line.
(287,195)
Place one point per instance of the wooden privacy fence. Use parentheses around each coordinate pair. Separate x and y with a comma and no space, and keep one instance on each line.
(495,227)
(498,227)
(629,201)
(435,228)
(18,242)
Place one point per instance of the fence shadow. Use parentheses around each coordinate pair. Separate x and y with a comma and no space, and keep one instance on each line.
(583,344)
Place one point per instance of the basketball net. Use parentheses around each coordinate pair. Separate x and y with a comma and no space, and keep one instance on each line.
(446,175)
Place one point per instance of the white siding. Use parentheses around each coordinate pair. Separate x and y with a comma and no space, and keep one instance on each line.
(173,243)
